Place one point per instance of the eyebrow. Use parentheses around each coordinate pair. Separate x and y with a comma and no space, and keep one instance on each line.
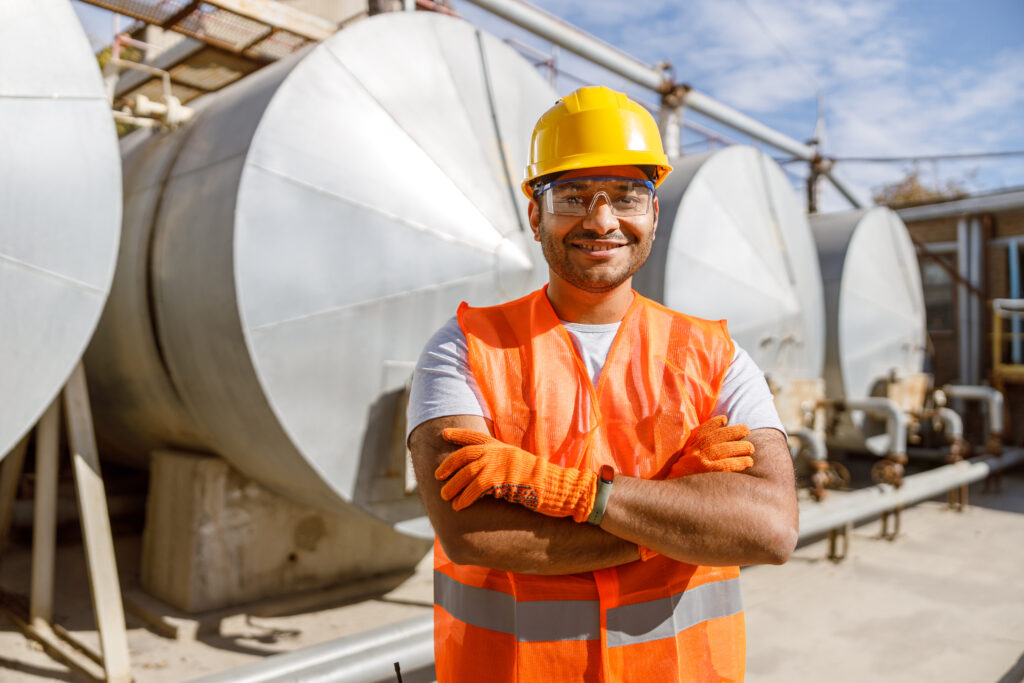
(617,182)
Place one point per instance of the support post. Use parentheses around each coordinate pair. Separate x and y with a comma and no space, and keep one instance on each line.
(44,524)
(1016,355)
(112,663)
(10,475)
(669,123)
(963,300)
(96,534)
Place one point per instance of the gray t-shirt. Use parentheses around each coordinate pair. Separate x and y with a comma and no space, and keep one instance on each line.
(443,385)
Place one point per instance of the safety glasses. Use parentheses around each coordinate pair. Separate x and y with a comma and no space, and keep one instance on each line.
(578,196)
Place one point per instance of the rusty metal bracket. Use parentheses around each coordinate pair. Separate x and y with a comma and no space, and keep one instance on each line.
(958,498)
(896,515)
(993,483)
(839,542)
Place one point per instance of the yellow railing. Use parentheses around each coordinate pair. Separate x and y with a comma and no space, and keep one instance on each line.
(1003,371)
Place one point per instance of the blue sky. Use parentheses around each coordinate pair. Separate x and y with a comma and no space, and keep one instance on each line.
(898,77)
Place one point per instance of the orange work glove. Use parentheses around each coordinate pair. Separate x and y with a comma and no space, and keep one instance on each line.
(486,466)
(714,447)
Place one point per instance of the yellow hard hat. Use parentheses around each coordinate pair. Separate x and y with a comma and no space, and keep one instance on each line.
(594,126)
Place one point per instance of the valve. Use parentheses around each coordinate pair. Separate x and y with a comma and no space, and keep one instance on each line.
(889,470)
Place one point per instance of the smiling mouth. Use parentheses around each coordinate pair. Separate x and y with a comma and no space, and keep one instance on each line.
(598,247)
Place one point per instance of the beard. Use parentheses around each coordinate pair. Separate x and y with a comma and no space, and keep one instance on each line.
(596,277)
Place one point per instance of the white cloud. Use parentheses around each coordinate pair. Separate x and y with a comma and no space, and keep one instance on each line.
(887,90)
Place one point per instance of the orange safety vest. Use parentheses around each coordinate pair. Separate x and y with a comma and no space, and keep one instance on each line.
(654,621)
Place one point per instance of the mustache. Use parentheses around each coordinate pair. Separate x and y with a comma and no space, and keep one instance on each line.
(584,234)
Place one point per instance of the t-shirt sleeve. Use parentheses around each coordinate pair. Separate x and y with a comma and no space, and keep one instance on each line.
(442,383)
(745,397)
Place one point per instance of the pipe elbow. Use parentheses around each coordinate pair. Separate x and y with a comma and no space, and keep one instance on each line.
(896,419)
(814,443)
(953,422)
(990,395)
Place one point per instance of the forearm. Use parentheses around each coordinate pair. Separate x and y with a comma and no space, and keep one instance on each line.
(504,536)
(716,518)
(501,535)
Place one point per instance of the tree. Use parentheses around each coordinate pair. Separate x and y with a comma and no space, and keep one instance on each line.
(911,191)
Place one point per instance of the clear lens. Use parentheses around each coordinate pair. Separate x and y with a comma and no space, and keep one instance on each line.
(578,196)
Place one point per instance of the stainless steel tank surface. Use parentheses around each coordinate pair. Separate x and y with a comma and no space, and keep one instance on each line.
(733,242)
(60,205)
(288,253)
(874,302)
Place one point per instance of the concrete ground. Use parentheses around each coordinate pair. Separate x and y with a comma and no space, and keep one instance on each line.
(944,602)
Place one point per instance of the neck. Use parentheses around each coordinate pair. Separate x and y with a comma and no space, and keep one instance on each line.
(575,305)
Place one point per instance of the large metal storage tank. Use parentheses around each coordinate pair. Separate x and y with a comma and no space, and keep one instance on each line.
(60,205)
(287,254)
(874,302)
(733,242)
(875,313)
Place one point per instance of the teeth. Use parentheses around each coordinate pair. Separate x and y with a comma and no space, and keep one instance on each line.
(595,247)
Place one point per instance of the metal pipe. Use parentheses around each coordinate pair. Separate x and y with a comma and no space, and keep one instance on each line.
(125,39)
(953,422)
(1004,201)
(363,658)
(669,122)
(143,106)
(992,398)
(963,300)
(865,504)
(977,255)
(589,47)
(146,68)
(369,656)
(566,35)
(723,113)
(141,121)
(1016,354)
(811,439)
(895,418)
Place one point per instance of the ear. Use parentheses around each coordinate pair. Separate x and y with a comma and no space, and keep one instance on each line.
(654,230)
(534,213)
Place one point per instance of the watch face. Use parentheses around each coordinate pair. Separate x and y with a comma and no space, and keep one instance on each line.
(607,473)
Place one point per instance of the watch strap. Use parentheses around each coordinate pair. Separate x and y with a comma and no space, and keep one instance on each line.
(604,490)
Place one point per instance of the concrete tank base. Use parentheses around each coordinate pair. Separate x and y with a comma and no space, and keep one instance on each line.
(215,538)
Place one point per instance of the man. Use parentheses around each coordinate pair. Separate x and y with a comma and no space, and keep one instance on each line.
(546,570)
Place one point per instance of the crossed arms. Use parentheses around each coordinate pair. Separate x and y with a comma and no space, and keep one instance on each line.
(714,518)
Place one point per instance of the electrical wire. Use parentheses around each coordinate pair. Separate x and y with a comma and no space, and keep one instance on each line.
(781,46)
(923,157)
(819,94)
(936,157)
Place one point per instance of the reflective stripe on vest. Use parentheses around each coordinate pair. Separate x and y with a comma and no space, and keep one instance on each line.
(558,620)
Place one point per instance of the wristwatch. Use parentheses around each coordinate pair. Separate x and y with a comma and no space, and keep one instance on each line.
(604,490)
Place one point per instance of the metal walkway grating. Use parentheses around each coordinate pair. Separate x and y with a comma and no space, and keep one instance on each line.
(262,30)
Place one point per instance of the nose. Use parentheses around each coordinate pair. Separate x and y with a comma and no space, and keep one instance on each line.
(600,219)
